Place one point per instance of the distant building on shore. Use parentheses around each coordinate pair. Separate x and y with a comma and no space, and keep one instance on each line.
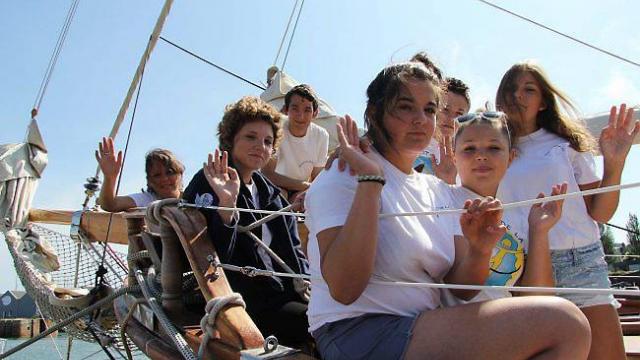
(17,304)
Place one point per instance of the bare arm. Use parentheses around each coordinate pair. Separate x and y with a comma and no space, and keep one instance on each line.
(281,180)
(349,249)
(542,217)
(615,142)
(467,269)
(347,253)
(315,172)
(482,228)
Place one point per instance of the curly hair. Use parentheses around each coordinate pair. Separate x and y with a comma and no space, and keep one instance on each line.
(304,91)
(383,92)
(243,111)
(565,124)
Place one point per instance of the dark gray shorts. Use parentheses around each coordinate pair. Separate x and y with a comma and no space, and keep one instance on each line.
(373,336)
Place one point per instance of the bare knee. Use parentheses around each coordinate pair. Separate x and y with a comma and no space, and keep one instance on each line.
(569,326)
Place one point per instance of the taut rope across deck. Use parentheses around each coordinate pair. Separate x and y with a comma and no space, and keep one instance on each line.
(512,205)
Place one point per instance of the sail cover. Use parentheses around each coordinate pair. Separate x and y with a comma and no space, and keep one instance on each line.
(21,165)
(280,84)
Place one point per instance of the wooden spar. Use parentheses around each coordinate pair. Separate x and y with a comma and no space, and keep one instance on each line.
(157,29)
(93,223)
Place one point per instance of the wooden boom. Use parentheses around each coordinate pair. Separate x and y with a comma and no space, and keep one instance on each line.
(93,223)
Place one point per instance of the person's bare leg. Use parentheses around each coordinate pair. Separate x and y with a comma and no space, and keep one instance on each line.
(607,342)
(541,327)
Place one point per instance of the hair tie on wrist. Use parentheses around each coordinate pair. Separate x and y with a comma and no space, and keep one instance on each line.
(373,178)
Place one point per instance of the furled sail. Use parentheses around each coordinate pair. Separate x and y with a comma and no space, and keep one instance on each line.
(21,165)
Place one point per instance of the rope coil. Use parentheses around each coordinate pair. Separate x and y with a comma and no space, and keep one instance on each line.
(208,322)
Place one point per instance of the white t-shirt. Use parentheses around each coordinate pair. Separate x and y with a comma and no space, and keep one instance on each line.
(143,199)
(413,249)
(266,233)
(297,156)
(507,258)
(545,159)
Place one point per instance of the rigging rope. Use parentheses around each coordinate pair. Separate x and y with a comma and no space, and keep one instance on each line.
(286,31)
(62,36)
(212,64)
(101,270)
(572,38)
(623,228)
(252,272)
(293,33)
(439,212)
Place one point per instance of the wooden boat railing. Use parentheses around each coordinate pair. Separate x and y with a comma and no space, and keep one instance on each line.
(179,242)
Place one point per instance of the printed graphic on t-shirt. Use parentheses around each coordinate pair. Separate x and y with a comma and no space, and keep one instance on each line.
(507,260)
(205,199)
(424,164)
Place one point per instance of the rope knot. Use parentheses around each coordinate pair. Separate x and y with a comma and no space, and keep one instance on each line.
(213,307)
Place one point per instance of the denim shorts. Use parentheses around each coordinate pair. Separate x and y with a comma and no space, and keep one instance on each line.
(583,267)
(372,336)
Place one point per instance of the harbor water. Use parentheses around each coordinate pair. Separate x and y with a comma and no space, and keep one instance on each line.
(45,349)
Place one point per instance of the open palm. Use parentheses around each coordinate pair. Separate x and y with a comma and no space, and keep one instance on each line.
(224,180)
(617,137)
(110,162)
(359,162)
(446,168)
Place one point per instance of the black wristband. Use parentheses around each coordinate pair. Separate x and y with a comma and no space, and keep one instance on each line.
(374,178)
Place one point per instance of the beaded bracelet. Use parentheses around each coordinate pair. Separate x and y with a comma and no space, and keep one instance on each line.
(375,178)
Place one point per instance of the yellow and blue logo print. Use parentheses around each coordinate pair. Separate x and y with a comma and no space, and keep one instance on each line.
(423,164)
(507,260)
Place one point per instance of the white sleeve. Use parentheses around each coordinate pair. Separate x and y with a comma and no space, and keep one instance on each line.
(584,167)
(323,148)
(328,200)
(142,199)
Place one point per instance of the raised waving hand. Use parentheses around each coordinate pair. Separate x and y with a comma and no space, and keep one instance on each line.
(359,162)
(110,162)
(617,137)
(224,181)
(445,170)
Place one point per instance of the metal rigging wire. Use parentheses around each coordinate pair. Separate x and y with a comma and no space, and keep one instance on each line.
(62,36)
(572,38)
(293,33)
(286,31)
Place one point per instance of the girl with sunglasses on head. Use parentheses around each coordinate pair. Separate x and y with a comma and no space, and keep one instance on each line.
(554,147)
(483,150)
(351,314)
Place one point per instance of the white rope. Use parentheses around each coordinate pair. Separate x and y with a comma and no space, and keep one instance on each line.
(208,321)
(618,255)
(517,204)
(512,205)
(251,272)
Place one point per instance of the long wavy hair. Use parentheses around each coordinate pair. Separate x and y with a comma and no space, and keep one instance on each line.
(563,122)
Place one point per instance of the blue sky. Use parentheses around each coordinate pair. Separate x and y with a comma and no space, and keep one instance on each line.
(338,48)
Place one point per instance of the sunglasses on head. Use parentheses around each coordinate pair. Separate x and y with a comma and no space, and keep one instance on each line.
(488,115)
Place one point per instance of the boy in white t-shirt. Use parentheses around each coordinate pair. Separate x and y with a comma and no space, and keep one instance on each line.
(304,147)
